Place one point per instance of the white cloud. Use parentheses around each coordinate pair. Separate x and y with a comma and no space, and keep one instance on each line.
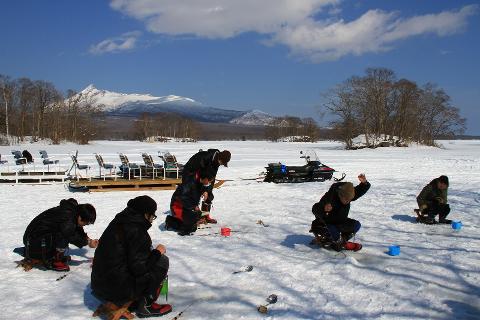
(219,18)
(126,41)
(374,31)
(293,23)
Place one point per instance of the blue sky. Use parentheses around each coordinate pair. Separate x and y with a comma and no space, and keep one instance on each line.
(278,56)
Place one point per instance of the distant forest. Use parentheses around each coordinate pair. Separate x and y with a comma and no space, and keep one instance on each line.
(376,105)
(382,107)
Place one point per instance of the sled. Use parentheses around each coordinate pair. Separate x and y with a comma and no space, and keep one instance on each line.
(313,170)
(113,312)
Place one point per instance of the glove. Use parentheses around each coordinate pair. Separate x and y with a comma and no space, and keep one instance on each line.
(439,200)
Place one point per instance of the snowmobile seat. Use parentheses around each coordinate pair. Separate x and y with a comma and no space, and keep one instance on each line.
(113,312)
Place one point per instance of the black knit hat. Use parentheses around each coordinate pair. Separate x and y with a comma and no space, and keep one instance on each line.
(143,204)
(87,212)
(443,179)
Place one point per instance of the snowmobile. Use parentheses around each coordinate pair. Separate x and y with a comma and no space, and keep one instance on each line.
(313,170)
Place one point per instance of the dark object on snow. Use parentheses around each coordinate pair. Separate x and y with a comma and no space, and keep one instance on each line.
(27,155)
(125,267)
(272,299)
(244,269)
(313,170)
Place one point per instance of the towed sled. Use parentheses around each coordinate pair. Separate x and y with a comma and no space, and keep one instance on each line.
(313,170)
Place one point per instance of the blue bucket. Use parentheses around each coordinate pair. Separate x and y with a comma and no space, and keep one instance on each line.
(457,225)
(394,250)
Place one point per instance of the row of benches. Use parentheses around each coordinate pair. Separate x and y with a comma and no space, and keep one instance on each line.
(131,170)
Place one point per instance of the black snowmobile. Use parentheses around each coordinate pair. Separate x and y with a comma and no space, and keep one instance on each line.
(313,170)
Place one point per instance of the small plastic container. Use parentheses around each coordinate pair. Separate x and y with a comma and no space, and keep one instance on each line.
(457,225)
(224,231)
(394,250)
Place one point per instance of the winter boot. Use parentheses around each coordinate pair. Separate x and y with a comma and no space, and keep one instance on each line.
(59,261)
(147,309)
(353,246)
(208,219)
(443,219)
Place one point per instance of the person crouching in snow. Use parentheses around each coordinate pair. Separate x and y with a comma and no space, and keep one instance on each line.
(48,235)
(331,215)
(185,212)
(125,267)
(433,201)
(211,159)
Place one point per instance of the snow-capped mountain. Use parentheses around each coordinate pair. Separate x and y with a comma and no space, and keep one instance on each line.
(254,117)
(115,103)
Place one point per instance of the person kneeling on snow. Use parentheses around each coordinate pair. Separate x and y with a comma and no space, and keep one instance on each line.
(185,212)
(331,214)
(125,267)
(433,201)
(48,235)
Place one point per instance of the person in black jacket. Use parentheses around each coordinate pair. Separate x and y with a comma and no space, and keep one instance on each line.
(332,212)
(185,212)
(125,267)
(48,235)
(210,160)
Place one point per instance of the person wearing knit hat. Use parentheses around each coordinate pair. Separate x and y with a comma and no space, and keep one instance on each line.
(125,267)
(332,224)
(433,201)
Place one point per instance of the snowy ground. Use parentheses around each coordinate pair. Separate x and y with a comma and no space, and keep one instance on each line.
(437,275)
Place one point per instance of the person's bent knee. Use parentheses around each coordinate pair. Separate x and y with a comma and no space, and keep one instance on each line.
(357,226)
(163,262)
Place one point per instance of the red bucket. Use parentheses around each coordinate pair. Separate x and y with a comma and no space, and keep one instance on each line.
(225,232)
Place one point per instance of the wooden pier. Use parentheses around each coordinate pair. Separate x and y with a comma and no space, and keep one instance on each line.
(121,184)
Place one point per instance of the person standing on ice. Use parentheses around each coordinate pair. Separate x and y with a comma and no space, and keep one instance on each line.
(433,201)
(48,235)
(125,267)
(185,212)
(331,214)
(210,160)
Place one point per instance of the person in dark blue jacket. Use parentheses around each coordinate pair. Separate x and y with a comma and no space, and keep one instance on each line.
(332,212)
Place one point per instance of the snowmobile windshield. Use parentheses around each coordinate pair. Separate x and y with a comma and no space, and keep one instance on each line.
(310,155)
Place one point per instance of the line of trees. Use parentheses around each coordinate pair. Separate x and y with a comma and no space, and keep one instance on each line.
(305,129)
(382,107)
(157,125)
(36,109)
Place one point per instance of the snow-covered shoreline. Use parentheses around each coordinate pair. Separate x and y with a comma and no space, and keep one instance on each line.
(436,276)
